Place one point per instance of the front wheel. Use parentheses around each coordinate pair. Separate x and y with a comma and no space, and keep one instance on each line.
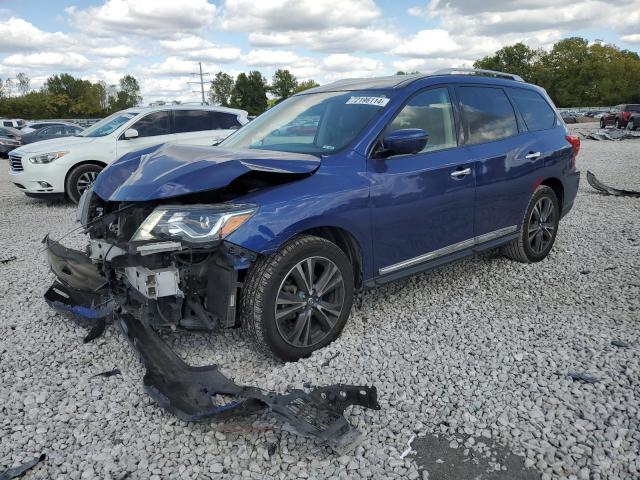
(631,124)
(80,179)
(539,228)
(297,300)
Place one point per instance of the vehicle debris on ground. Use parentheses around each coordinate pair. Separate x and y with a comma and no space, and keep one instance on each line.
(607,190)
(20,470)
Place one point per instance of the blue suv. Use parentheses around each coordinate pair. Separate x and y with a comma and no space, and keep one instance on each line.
(339,188)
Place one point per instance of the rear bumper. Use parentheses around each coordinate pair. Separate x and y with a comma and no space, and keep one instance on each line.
(193,393)
(571,184)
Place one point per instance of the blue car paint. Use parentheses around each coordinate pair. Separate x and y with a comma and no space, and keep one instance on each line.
(395,208)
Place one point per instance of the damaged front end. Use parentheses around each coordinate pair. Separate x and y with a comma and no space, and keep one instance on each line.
(154,267)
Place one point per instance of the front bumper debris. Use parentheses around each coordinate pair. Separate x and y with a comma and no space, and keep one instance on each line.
(196,394)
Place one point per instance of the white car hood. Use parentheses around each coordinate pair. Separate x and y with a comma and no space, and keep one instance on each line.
(54,145)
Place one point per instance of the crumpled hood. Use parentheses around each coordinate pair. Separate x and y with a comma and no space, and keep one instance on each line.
(170,170)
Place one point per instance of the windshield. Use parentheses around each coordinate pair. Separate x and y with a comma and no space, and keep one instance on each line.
(633,108)
(316,123)
(108,125)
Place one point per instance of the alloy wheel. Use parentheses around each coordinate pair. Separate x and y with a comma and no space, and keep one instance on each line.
(542,224)
(85,181)
(309,302)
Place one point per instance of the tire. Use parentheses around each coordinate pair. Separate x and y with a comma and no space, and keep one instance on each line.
(618,124)
(79,179)
(274,277)
(631,124)
(602,124)
(523,249)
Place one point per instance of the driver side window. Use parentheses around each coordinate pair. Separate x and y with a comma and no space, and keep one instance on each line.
(154,124)
(430,111)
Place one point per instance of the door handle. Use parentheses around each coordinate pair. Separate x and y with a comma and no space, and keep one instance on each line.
(532,155)
(460,173)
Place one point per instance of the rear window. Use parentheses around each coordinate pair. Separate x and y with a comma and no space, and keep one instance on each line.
(535,110)
(488,114)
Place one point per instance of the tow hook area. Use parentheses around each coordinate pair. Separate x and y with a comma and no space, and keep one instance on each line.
(190,393)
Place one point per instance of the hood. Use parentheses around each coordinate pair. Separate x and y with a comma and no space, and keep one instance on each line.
(170,170)
(54,145)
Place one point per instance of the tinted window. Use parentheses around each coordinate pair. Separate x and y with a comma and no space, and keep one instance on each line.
(431,111)
(8,124)
(535,110)
(53,130)
(633,108)
(201,120)
(154,124)
(488,113)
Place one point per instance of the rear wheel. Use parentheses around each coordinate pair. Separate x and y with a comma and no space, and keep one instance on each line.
(539,228)
(631,124)
(297,300)
(80,179)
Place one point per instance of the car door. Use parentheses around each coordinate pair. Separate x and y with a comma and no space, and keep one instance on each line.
(153,129)
(422,205)
(506,155)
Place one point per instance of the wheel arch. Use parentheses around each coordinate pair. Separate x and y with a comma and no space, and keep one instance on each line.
(556,185)
(84,162)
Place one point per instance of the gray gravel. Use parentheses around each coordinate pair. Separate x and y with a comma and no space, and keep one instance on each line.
(478,353)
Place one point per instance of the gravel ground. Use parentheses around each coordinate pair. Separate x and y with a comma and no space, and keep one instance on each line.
(475,355)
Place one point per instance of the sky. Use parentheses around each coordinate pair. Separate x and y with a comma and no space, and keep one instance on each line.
(160,42)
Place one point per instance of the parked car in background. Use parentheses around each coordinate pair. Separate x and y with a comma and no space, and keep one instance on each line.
(33,126)
(568,117)
(12,122)
(53,131)
(10,139)
(620,115)
(69,165)
(276,233)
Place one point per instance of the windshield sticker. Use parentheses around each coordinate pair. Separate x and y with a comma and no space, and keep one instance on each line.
(376,101)
(328,147)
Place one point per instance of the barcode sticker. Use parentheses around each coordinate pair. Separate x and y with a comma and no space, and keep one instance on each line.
(376,101)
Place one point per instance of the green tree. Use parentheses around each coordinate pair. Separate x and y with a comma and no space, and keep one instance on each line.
(283,84)
(518,59)
(220,89)
(128,94)
(250,93)
(306,85)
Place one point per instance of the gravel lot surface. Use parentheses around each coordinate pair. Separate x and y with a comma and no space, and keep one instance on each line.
(472,356)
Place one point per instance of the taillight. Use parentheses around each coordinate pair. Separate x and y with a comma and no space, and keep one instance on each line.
(574,140)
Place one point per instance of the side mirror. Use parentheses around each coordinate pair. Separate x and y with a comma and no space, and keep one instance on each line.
(130,133)
(403,142)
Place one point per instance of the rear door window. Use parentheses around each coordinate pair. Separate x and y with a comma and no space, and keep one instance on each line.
(488,114)
(430,111)
(202,120)
(535,110)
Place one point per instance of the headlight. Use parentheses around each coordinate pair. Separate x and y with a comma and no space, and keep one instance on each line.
(47,157)
(197,224)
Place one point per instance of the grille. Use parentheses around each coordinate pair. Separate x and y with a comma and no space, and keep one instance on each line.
(16,163)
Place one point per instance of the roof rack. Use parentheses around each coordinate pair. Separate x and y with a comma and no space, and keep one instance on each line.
(478,71)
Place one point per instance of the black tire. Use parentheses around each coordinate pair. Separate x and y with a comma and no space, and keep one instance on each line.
(602,123)
(618,124)
(266,281)
(521,249)
(77,179)
(631,124)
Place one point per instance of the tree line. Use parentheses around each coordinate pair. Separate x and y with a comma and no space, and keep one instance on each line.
(574,72)
(65,96)
(249,91)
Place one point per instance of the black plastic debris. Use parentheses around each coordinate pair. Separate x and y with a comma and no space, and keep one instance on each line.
(96,331)
(620,344)
(583,377)
(22,469)
(201,394)
(328,360)
(606,190)
(108,373)
(4,261)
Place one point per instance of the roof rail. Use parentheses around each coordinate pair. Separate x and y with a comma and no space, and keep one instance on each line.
(478,71)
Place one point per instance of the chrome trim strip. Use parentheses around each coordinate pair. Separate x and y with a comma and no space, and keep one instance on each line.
(456,247)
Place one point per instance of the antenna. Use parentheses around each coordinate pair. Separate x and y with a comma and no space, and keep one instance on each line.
(201,82)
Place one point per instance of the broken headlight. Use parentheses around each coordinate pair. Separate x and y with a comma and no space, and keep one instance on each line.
(196,224)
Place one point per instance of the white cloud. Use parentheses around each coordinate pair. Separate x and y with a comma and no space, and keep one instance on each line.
(196,47)
(174,66)
(18,35)
(54,60)
(301,15)
(116,51)
(264,58)
(156,18)
(633,38)
(440,43)
(429,65)
(342,62)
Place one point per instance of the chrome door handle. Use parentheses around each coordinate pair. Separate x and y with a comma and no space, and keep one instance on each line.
(532,155)
(460,173)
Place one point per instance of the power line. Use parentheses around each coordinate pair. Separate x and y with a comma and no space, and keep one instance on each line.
(201,82)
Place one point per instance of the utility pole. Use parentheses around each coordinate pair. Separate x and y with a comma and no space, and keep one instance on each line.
(201,82)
